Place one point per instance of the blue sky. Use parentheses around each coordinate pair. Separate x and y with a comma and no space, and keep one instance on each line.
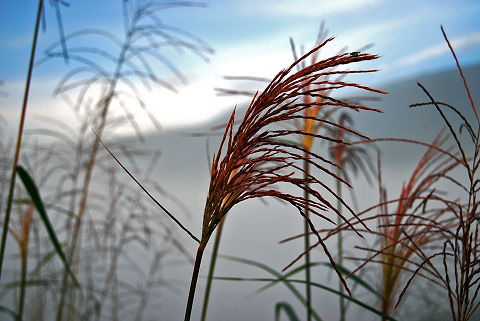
(250,37)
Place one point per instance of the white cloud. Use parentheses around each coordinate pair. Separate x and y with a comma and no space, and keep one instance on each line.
(321,7)
(306,7)
(440,49)
(194,103)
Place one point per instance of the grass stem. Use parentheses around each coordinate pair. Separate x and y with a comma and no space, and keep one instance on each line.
(22,285)
(19,137)
(193,283)
(340,245)
(211,269)
(308,291)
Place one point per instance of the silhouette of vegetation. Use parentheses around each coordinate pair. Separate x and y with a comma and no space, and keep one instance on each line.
(88,244)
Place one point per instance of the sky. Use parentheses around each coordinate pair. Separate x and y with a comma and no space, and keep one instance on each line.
(248,37)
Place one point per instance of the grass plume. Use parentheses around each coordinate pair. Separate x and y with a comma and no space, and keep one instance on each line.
(255,161)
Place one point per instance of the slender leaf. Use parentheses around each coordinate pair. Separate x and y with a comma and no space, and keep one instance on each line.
(314,284)
(8,311)
(268,269)
(287,308)
(37,201)
(354,278)
(287,275)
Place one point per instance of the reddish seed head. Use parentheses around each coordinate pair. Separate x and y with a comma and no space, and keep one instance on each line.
(255,160)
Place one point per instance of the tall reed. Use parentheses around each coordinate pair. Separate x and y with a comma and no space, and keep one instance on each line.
(413,225)
(145,33)
(19,138)
(26,94)
(257,159)
(460,246)
(424,217)
(350,160)
(22,237)
(310,126)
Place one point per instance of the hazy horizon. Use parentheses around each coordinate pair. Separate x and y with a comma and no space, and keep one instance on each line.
(249,38)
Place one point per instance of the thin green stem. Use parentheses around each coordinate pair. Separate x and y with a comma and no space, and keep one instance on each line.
(19,138)
(88,175)
(340,244)
(308,291)
(22,285)
(211,269)
(193,283)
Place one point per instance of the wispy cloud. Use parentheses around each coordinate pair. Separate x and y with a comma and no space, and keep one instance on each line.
(440,49)
(315,7)
(310,8)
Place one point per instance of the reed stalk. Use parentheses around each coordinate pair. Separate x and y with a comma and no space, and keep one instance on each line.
(193,282)
(341,288)
(211,268)
(88,175)
(19,137)
(306,213)
(256,158)
(22,237)
(23,279)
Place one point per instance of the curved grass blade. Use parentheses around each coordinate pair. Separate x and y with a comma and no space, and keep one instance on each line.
(354,278)
(268,269)
(287,308)
(37,201)
(314,284)
(30,283)
(341,268)
(287,275)
(8,311)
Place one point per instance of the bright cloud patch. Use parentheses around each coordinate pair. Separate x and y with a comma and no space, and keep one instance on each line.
(437,50)
(316,7)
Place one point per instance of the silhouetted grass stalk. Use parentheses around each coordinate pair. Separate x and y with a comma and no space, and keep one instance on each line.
(347,158)
(211,268)
(88,175)
(106,101)
(213,260)
(257,158)
(469,242)
(193,282)
(462,245)
(141,42)
(310,126)
(306,213)
(19,137)
(22,236)
(341,289)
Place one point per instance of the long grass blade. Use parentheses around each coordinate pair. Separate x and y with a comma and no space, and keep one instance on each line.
(8,311)
(278,275)
(314,284)
(289,274)
(354,278)
(37,200)
(287,308)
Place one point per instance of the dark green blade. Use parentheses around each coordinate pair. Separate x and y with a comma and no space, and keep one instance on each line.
(37,201)
(287,308)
